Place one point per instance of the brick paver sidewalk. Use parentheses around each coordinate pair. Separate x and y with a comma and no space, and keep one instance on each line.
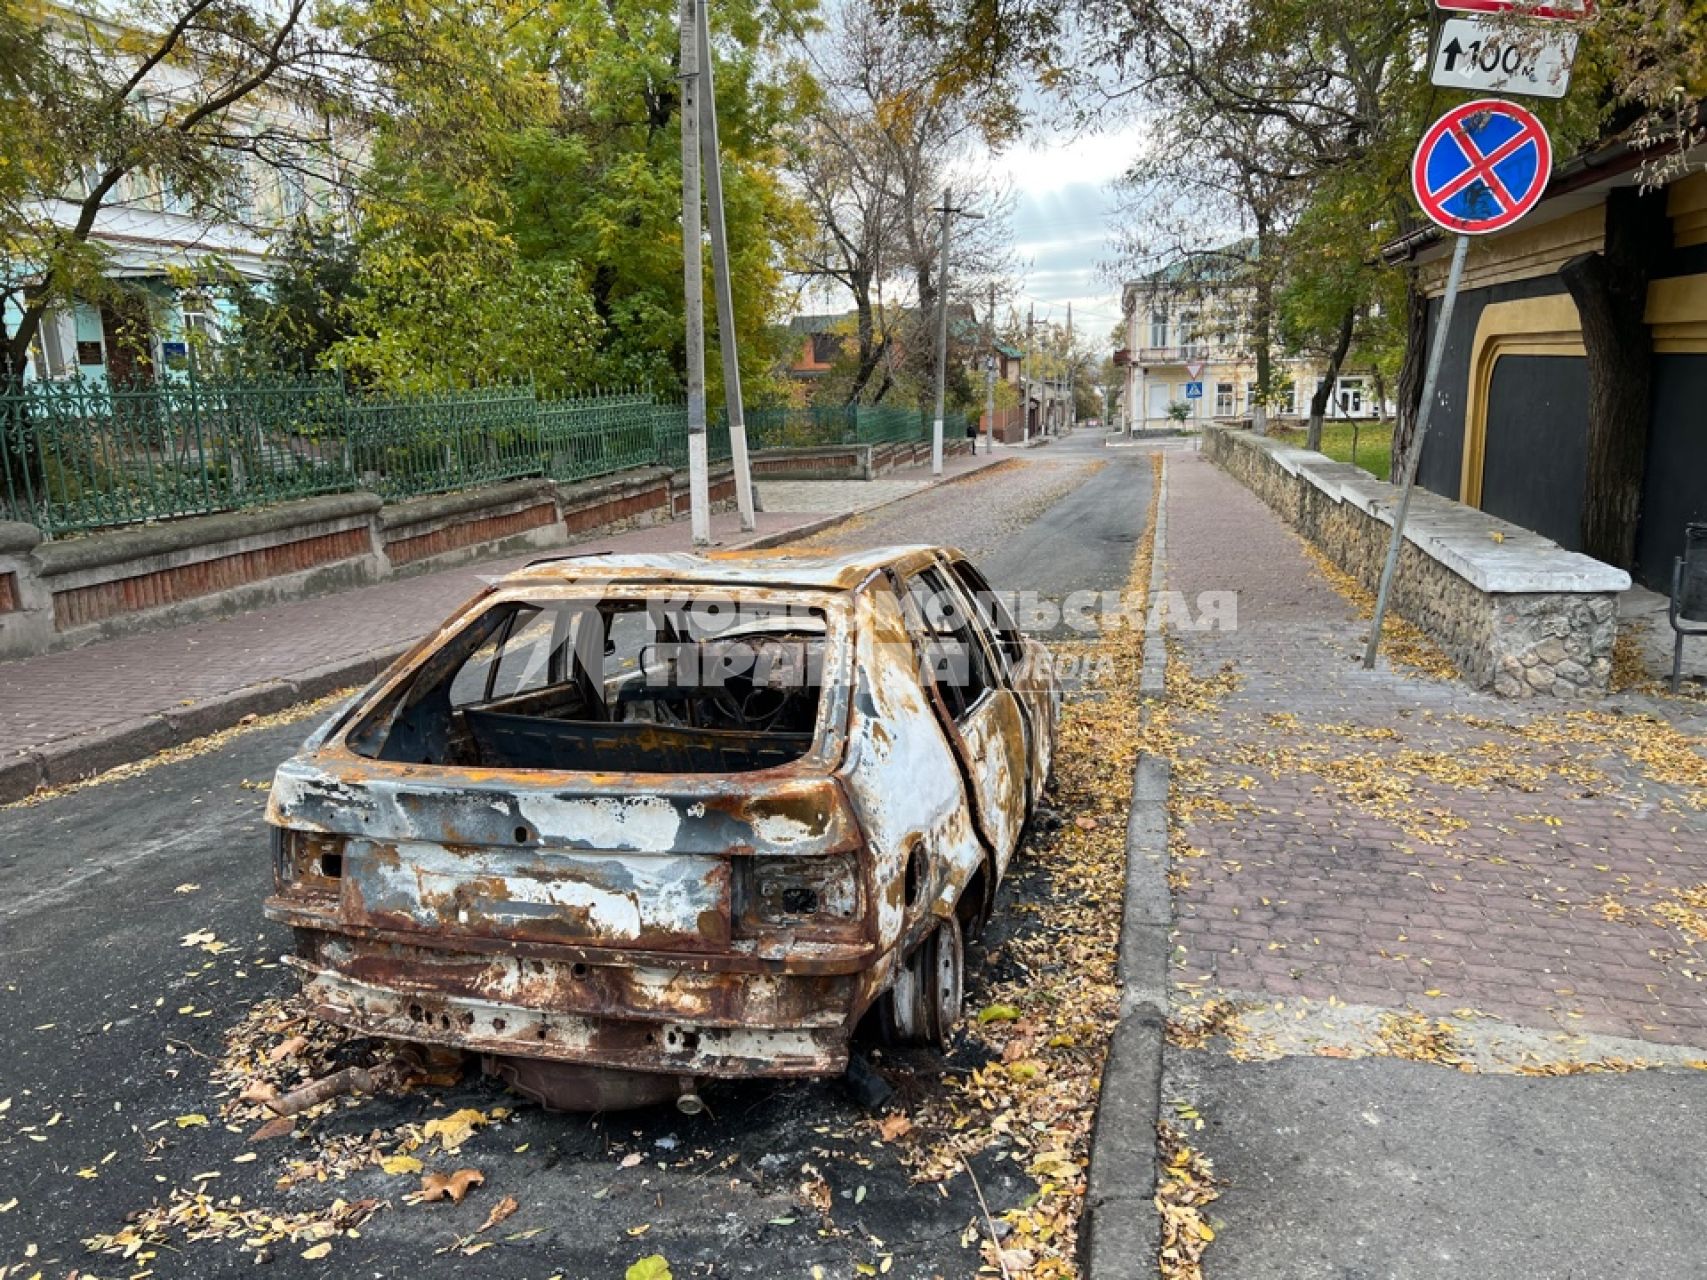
(90,691)
(1402,841)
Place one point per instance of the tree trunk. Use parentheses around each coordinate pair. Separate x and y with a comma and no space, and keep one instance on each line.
(871,351)
(1325,389)
(1263,328)
(1411,375)
(1611,293)
(21,477)
(1265,361)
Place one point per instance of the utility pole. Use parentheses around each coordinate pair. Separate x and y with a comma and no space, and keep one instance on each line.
(947,210)
(990,379)
(726,347)
(1072,414)
(1025,368)
(693,279)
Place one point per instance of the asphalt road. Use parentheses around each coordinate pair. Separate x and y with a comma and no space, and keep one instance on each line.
(110,1026)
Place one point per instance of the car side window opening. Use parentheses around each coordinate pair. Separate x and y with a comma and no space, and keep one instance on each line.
(953,656)
(1010,644)
(525,656)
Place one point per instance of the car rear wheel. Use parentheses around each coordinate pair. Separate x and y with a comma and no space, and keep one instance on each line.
(923,1003)
(947,987)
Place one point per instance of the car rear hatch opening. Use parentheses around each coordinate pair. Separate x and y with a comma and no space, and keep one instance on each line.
(630,683)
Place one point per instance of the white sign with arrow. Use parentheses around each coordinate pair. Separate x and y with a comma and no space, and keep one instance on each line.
(1499,57)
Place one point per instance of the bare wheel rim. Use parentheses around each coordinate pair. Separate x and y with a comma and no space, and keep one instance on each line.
(908,1001)
(947,981)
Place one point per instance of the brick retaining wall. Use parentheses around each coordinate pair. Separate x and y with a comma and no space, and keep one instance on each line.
(82,606)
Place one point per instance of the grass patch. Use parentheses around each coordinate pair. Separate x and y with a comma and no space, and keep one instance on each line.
(1374,443)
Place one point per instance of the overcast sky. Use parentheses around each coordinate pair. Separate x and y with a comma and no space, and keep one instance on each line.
(1064,226)
(1064,223)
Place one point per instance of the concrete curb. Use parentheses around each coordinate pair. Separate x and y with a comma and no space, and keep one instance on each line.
(86,754)
(70,759)
(1122,1225)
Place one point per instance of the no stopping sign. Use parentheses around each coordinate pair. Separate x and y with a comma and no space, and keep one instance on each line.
(1482,166)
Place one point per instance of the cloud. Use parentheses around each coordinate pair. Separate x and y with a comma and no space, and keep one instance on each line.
(1064,218)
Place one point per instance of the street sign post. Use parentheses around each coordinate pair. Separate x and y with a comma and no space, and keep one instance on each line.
(1479,168)
(1194,370)
(1550,10)
(1485,55)
(1194,391)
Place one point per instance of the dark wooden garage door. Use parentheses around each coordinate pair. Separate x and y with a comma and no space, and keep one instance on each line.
(1534,458)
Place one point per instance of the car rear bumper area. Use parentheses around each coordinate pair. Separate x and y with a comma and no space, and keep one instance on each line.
(630,1017)
(507,1030)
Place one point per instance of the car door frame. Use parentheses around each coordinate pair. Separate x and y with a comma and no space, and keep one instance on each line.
(1030,679)
(990,735)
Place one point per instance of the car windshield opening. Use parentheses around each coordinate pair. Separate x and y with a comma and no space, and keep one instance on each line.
(677,685)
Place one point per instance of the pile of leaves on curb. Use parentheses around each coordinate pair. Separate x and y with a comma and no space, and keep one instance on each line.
(1186,1188)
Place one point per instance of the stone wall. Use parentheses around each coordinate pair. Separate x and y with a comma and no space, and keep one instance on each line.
(851,461)
(1516,613)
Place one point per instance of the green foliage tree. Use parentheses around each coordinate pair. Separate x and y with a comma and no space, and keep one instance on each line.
(89,117)
(469,310)
(292,322)
(540,162)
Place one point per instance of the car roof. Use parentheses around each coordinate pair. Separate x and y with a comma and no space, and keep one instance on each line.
(739,567)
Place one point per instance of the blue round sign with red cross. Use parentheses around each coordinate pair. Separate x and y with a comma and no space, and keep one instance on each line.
(1482,166)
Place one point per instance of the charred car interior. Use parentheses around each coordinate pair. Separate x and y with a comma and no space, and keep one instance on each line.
(628,823)
(650,685)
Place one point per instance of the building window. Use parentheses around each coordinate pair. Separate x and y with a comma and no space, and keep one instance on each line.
(1223,399)
(1250,397)
(54,346)
(1158,328)
(1350,397)
(240,190)
(1189,338)
(201,329)
(90,336)
(293,193)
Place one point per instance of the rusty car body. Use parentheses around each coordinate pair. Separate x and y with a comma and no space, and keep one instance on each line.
(627,822)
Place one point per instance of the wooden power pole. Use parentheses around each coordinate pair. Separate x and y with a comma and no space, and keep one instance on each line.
(947,210)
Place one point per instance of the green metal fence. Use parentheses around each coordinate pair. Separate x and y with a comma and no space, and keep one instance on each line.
(77,456)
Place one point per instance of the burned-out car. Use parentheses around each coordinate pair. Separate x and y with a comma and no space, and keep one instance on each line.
(628,822)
